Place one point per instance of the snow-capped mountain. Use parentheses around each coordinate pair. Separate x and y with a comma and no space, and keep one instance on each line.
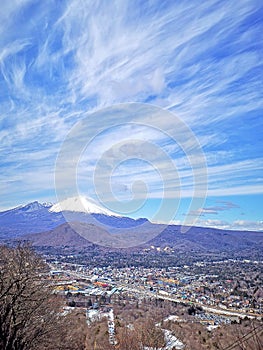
(96,224)
(36,217)
(83,209)
(81,204)
(31,217)
(34,206)
(30,207)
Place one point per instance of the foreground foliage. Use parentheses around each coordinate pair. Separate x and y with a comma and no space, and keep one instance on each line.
(30,314)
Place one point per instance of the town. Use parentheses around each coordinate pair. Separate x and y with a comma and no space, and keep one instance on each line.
(208,294)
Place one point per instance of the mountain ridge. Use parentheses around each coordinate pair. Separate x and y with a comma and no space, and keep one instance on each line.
(36,222)
(82,235)
(35,217)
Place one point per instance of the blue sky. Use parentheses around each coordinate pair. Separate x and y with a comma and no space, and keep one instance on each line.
(62,61)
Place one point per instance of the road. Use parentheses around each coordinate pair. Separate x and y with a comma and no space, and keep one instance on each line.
(144,292)
(216,310)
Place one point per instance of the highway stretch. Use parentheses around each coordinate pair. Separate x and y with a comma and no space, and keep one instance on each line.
(143,292)
(216,310)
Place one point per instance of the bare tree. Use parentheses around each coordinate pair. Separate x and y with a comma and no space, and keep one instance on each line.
(140,335)
(150,335)
(128,339)
(30,314)
(248,338)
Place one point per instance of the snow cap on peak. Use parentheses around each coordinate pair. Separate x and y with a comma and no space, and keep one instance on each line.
(81,204)
(33,206)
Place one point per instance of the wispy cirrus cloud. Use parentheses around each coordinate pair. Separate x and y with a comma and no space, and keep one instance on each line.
(212,210)
(244,225)
(61,61)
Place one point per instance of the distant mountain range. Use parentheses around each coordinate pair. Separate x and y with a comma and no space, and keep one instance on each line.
(36,217)
(45,225)
(82,235)
(30,218)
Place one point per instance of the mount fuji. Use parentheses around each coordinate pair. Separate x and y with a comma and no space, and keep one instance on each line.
(36,217)
(68,222)
(81,204)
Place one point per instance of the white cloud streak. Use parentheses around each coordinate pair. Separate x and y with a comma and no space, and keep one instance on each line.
(78,57)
